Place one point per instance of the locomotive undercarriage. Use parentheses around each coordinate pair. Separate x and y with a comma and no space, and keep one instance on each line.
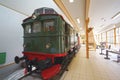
(40,67)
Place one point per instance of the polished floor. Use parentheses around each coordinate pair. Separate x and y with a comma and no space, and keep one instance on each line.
(94,68)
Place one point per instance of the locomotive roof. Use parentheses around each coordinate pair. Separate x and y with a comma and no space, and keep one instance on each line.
(43,11)
(31,17)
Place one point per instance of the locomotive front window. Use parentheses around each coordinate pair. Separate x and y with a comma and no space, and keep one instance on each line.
(49,25)
(36,27)
(28,28)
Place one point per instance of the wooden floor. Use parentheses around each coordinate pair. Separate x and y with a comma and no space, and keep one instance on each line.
(94,68)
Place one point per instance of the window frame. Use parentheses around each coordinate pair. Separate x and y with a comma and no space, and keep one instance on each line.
(40,27)
(49,20)
(25,31)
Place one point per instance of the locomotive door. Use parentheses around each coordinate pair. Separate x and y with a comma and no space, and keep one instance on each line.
(67,37)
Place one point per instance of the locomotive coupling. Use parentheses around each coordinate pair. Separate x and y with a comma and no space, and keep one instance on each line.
(43,64)
(18,59)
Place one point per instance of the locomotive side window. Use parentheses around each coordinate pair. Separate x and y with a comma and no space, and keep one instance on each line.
(28,28)
(49,25)
(36,27)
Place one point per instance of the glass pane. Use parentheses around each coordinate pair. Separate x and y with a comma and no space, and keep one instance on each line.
(100,38)
(49,26)
(104,37)
(117,39)
(28,28)
(36,27)
(112,39)
(110,36)
(117,31)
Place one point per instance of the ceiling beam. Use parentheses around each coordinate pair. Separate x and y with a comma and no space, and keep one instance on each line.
(67,14)
(87,3)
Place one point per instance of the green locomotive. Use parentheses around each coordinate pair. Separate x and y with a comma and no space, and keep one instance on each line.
(48,40)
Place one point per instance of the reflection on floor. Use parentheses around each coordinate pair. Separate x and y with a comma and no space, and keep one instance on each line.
(8,70)
(94,68)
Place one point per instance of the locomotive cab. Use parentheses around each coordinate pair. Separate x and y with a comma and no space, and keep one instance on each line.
(44,35)
(37,36)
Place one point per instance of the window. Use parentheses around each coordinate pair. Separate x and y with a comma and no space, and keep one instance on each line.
(118,36)
(96,37)
(28,28)
(104,37)
(49,25)
(36,27)
(100,36)
(110,37)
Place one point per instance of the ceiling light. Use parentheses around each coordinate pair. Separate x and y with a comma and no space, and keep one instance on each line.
(116,15)
(103,19)
(78,20)
(71,1)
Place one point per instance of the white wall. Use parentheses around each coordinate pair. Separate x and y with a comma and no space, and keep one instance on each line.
(11,33)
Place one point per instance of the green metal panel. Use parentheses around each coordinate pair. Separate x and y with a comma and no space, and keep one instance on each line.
(46,42)
(2,57)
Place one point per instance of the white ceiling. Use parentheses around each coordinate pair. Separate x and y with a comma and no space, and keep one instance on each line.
(77,10)
(100,12)
(27,7)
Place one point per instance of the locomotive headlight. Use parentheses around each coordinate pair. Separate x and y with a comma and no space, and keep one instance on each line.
(33,16)
(47,45)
